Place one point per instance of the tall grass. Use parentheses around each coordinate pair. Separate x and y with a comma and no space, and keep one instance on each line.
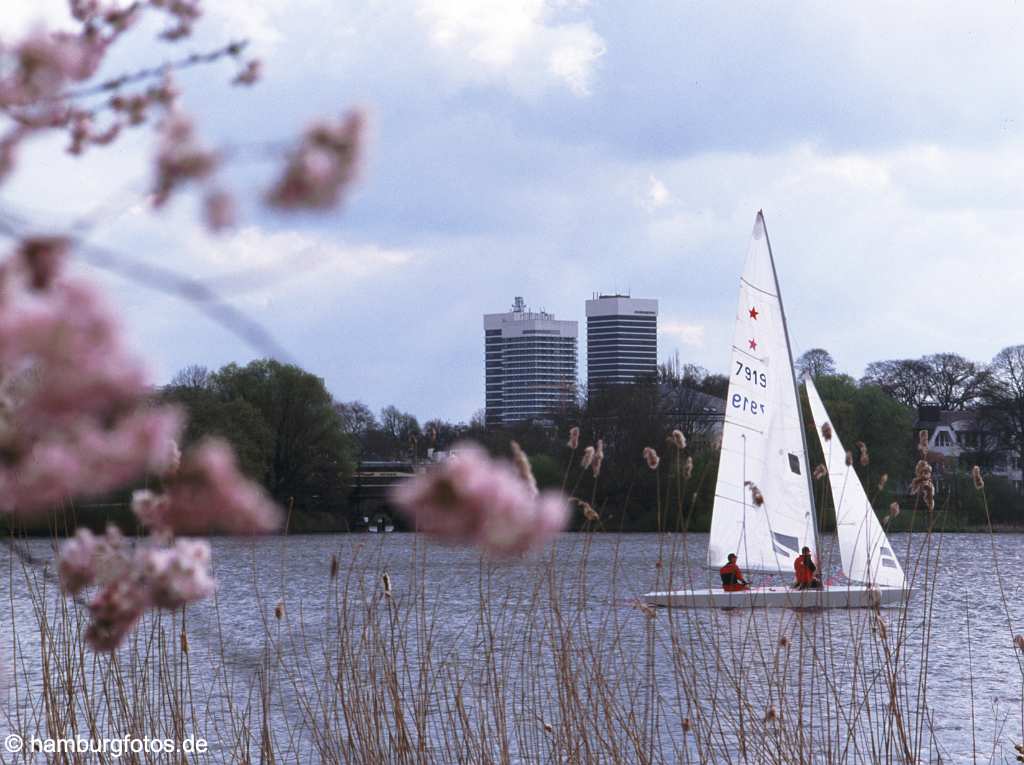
(456,659)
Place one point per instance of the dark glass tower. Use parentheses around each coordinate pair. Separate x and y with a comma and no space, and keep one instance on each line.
(622,340)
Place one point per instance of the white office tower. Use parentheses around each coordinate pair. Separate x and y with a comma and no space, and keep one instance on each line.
(530,364)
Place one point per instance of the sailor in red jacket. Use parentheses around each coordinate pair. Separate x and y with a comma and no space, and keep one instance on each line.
(732,577)
(805,571)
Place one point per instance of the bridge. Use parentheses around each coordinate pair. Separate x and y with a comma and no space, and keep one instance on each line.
(371,488)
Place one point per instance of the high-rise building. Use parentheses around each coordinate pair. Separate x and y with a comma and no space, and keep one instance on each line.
(530,364)
(622,339)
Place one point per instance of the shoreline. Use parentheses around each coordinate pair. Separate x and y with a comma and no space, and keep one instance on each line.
(303,523)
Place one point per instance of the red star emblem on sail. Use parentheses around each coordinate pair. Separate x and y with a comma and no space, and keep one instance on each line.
(753,344)
(753,314)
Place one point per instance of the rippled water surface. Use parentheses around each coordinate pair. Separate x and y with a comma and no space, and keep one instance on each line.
(437,594)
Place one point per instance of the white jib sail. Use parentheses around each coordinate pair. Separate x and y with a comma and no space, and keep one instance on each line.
(762,440)
(866,553)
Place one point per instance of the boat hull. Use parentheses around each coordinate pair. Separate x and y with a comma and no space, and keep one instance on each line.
(783,597)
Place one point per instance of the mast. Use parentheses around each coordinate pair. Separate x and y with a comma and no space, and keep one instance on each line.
(796,388)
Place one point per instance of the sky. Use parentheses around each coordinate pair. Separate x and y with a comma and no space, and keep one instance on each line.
(556,149)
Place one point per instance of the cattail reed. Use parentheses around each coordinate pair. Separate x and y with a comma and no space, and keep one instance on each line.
(894,509)
(184,642)
(686,725)
(922,443)
(863,449)
(928,495)
(522,465)
(279,610)
(849,459)
(598,458)
(679,439)
(922,484)
(334,567)
(1019,642)
(386,581)
(646,609)
(589,513)
(820,472)
(979,482)
(783,642)
(826,431)
(688,467)
(588,457)
(880,627)
(651,458)
(574,438)
(771,715)
(755,494)
(883,481)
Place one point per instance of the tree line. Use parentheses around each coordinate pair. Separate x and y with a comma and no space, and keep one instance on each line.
(304,446)
(989,394)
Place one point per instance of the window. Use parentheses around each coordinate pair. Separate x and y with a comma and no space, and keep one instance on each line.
(794,463)
(943,439)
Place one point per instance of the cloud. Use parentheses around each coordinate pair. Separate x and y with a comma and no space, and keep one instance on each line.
(513,155)
(682,332)
(525,45)
(657,193)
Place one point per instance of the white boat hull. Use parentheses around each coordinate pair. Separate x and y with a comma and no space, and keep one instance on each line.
(783,597)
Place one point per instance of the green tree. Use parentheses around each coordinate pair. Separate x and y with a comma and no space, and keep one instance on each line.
(1004,395)
(905,380)
(816,362)
(866,413)
(236,421)
(310,456)
(953,381)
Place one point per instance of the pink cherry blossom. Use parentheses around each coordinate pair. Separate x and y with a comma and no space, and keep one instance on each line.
(180,158)
(219,210)
(88,460)
(150,508)
(208,493)
(320,171)
(474,500)
(87,559)
(251,74)
(43,257)
(154,575)
(178,575)
(77,567)
(79,426)
(114,611)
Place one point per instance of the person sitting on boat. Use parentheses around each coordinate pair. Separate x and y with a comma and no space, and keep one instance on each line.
(805,572)
(732,577)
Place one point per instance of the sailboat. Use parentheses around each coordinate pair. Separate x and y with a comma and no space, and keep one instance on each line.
(764,508)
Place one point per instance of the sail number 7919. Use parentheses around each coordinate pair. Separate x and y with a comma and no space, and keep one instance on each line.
(744,404)
(751,375)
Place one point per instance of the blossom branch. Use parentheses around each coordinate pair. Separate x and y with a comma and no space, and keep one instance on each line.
(232,49)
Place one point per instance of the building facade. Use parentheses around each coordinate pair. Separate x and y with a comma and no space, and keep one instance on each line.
(530,364)
(622,340)
(957,435)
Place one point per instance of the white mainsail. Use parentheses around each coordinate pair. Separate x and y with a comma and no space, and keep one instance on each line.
(866,553)
(763,439)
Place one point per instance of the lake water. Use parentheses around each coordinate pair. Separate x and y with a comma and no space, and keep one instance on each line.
(535,637)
